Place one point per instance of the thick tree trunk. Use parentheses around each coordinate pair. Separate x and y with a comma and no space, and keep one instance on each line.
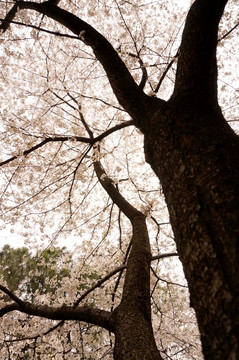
(194,153)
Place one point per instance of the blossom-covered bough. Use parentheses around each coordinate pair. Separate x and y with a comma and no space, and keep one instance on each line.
(194,153)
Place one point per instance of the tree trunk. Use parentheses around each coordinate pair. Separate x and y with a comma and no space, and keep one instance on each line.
(194,153)
(134,338)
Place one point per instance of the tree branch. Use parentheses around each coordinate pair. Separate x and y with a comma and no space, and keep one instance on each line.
(196,76)
(9,17)
(88,314)
(84,313)
(164,74)
(9,308)
(162,256)
(112,190)
(228,32)
(7,22)
(70,138)
(99,283)
(11,295)
(115,271)
(128,93)
(113,129)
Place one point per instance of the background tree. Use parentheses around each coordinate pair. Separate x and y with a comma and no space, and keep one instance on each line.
(21,271)
(31,274)
(187,142)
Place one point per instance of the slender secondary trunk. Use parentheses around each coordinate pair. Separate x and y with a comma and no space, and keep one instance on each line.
(195,154)
(134,338)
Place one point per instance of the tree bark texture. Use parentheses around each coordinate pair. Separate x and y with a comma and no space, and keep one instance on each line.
(197,164)
(195,153)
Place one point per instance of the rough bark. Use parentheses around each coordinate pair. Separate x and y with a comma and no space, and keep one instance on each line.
(194,153)
(197,166)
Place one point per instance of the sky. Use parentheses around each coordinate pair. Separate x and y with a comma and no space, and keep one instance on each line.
(13,238)
(7,236)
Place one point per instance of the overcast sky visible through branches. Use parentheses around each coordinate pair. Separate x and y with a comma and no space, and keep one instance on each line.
(14,238)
